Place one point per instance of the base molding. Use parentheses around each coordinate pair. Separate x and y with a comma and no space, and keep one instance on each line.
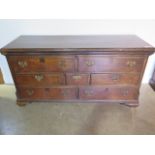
(133,104)
(129,103)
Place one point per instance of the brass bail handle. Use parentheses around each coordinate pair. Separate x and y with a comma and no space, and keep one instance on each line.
(30,92)
(89,92)
(39,77)
(89,63)
(62,63)
(22,64)
(65,93)
(115,77)
(131,63)
(125,92)
(76,77)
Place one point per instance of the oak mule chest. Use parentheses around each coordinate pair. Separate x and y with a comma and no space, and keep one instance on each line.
(92,68)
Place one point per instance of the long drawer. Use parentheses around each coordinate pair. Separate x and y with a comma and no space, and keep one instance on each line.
(39,79)
(83,93)
(57,93)
(108,93)
(22,64)
(110,64)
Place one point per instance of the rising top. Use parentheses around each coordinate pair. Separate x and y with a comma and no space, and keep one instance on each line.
(78,42)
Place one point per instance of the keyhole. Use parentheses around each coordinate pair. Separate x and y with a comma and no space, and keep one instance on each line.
(42,60)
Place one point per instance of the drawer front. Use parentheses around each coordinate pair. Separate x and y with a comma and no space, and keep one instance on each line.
(115,78)
(42,64)
(110,64)
(77,79)
(108,93)
(57,93)
(40,79)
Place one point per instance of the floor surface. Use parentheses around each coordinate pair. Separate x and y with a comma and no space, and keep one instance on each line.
(72,118)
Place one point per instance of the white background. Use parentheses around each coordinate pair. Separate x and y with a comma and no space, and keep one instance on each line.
(10,29)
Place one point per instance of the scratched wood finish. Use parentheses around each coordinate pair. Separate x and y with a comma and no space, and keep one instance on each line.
(92,68)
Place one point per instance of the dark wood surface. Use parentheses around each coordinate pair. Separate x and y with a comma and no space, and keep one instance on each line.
(40,79)
(115,79)
(117,63)
(60,93)
(99,68)
(105,93)
(78,42)
(43,63)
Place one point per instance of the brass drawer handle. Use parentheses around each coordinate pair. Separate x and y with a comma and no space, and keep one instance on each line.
(131,63)
(115,77)
(39,77)
(76,77)
(89,92)
(125,93)
(62,63)
(89,63)
(65,93)
(22,64)
(30,92)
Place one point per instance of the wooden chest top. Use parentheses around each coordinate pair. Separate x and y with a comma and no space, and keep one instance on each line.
(91,43)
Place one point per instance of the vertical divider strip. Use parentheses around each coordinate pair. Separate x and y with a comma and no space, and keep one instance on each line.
(65,75)
(78,91)
(90,81)
(77,70)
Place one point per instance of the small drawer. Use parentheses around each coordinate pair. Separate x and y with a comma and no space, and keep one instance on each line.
(108,93)
(115,78)
(42,64)
(57,93)
(110,64)
(77,79)
(39,79)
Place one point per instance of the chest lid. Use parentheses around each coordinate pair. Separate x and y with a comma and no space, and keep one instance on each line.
(77,43)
